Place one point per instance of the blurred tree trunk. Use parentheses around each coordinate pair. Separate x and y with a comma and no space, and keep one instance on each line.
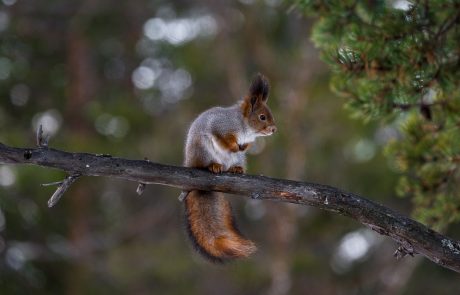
(231,60)
(135,14)
(80,91)
(283,217)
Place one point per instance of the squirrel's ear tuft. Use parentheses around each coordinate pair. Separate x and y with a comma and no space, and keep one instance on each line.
(259,87)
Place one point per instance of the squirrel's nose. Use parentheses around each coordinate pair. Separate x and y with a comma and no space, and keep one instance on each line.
(273,129)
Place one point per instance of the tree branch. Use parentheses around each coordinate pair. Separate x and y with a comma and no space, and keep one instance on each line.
(62,188)
(411,236)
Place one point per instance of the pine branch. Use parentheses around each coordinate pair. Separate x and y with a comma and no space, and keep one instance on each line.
(447,25)
(412,237)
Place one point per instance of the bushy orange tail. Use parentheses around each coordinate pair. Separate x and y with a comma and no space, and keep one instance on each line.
(212,229)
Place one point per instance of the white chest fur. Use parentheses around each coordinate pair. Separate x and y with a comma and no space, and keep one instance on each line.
(246,137)
(227,158)
(221,155)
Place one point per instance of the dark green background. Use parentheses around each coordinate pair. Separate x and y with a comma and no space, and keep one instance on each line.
(69,65)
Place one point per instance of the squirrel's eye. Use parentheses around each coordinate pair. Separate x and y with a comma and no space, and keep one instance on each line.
(262,117)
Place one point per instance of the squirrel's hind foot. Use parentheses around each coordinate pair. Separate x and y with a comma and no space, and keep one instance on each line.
(236,169)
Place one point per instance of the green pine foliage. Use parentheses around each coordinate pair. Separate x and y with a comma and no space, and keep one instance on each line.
(401,66)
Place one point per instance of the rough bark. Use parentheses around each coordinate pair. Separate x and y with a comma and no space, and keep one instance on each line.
(412,236)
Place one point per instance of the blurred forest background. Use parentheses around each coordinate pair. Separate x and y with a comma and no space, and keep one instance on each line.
(126,78)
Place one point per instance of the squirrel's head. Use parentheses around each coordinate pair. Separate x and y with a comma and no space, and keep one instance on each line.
(255,108)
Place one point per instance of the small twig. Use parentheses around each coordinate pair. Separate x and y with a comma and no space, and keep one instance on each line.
(403,250)
(447,25)
(183,195)
(46,140)
(42,141)
(140,188)
(53,183)
(39,135)
(63,187)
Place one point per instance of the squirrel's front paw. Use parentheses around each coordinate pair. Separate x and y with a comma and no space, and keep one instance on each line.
(215,168)
(236,169)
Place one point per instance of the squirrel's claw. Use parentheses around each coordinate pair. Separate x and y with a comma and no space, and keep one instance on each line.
(215,167)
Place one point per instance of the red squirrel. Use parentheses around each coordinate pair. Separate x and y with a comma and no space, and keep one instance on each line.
(218,140)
